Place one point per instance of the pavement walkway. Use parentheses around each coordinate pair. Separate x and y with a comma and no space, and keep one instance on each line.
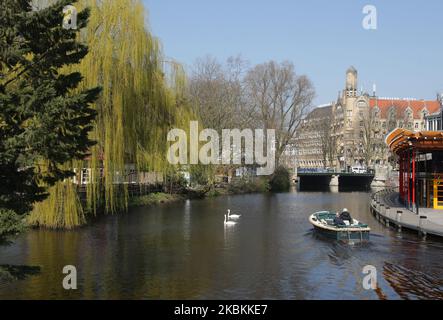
(387,206)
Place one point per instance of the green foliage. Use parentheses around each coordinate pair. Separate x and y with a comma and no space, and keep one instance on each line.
(214,193)
(280,180)
(62,209)
(10,224)
(199,174)
(44,120)
(175,181)
(249,185)
(154,198)
(143,97)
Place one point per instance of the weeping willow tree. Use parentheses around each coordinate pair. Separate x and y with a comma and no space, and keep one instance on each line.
(143,97)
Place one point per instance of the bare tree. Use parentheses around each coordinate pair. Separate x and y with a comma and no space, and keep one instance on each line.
(372,144)
(328,141)
(217,93)
(281,99)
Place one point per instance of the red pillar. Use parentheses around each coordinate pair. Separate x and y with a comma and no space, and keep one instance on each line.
(400,175)
(413,177)
(409,178)
(405,176)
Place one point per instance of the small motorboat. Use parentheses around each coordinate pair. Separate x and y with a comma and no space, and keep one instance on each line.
(323,222)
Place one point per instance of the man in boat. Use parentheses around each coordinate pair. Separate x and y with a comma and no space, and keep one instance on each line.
(338,221)
(346,216)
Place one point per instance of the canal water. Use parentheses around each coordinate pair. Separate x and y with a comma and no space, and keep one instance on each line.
(183,251)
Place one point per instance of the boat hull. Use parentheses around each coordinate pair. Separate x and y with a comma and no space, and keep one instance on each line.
(343,235)
(359,232)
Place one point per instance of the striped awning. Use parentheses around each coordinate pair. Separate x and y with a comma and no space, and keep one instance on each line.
(400,140)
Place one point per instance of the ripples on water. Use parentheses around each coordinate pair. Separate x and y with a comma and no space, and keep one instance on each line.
(183,250)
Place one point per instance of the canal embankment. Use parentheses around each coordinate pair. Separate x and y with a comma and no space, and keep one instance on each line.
(387,208)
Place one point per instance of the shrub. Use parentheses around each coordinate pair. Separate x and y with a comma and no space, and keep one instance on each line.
(280,180)
(213,193)
(10,223)
(153,199)
(175,182)
(199,175)
(248,185)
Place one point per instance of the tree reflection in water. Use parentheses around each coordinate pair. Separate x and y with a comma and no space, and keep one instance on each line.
(12,272)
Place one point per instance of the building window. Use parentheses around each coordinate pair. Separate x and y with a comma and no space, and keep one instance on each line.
(85,176)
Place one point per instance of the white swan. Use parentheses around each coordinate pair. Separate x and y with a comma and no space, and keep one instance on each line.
(229,223)
(233,216)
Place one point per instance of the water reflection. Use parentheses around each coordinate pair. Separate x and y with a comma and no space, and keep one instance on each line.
(12,273)
(228,233)
(183,251)
(187,220)
(413,284)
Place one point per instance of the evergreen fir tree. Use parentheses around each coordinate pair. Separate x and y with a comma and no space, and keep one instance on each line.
(44,119)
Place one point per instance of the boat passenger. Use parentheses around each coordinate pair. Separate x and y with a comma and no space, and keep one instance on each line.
(338,221)
(346,216)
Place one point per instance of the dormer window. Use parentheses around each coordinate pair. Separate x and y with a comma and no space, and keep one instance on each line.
(376,113)
(392,112)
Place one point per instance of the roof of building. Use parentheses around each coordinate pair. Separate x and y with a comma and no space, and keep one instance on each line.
(320,112)
(401,139)
(351,69)
(416,106)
